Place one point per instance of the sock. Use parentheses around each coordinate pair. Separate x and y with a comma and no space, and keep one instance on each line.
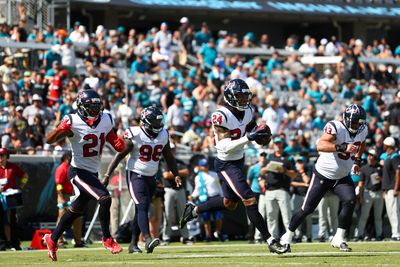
(287,237)
(65,223)
(135,231)
(213,204)
(256,218)
(143,221)
(340,233)
(104,216)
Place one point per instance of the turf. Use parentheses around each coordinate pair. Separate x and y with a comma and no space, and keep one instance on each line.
(216,254)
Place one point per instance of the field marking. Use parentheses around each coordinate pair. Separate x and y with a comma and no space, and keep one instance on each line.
(211,245)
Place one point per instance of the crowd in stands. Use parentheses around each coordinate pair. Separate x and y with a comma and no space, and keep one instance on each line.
(183,71)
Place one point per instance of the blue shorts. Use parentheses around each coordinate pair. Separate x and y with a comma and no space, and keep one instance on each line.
(233,179)
(86,186)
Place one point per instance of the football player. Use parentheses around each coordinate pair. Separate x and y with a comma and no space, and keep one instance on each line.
(145,144)
(87,130)
(234,127)
(340,149)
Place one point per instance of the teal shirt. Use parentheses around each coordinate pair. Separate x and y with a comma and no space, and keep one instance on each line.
(209,54)
(252,177)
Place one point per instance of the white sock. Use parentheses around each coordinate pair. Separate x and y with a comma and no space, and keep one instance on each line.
(340,233)
(287,237)
(270,239)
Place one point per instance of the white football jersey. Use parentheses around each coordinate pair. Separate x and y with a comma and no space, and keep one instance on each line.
(87,142)
(336,165)
(144,159)
(225,118)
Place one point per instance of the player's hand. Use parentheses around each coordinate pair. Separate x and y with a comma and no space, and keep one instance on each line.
(351,148)
(355,169)
(395,193)
(178,181)
(105,180)
(65,125)
(254,135)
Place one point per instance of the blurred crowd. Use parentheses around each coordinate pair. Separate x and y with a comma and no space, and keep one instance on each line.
(183,71)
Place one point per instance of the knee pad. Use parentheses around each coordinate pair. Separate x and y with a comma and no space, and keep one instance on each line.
(105,201)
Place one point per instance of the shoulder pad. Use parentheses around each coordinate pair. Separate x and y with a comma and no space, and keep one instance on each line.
(219,118)
(331,128)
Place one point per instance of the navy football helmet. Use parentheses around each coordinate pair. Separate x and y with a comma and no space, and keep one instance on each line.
(354,118)
(237,94)
(89,104)
(152,120)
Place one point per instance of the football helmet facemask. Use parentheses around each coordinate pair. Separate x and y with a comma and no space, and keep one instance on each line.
(89,104)
(237,94)
(354,117)
(152,120)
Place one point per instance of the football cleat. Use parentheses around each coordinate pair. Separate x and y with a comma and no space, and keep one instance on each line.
(277,247)
(134,249)
(51,247)
(111,245)
(187,215)
(342,246)
(151,244)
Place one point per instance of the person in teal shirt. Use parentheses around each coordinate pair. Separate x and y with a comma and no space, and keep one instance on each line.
(208,53)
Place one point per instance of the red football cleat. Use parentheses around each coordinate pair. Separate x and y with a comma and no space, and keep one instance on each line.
(51,247)
(111,245)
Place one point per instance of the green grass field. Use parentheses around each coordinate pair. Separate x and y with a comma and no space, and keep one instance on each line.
(216,254)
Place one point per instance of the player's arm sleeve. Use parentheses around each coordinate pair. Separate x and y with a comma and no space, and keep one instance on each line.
(117,143)
(128,146)
(170,159)
(251,125)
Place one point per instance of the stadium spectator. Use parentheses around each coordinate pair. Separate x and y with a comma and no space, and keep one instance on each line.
(206,186)
(12,177)
(391,186)
(277,176)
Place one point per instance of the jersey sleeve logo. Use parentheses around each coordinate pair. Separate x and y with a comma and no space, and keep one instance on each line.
(66,120)
(126,135)
(216,119)
(329,129)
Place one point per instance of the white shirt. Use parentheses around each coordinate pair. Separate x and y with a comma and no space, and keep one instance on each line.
(211,183)
(68,56)
(274,118)
(175,115)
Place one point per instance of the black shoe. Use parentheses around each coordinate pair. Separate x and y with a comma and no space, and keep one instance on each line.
(187,215)
(343,247)
(322,239)
(80,245)
(396,238)
(277,247)
(134,249)
(151,244)
(16,248)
